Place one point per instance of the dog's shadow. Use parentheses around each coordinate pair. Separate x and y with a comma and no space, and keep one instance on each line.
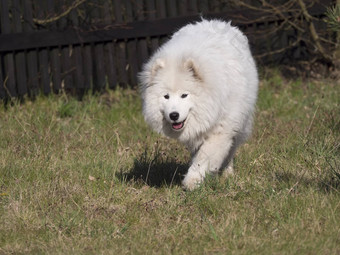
(156,171)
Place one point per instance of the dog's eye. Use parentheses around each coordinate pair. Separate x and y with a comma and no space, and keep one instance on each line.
(184,95)
(166,96)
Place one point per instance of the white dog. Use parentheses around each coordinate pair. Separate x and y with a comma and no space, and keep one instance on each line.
(201,88)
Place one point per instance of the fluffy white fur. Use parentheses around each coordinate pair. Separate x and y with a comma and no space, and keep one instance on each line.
(201,88)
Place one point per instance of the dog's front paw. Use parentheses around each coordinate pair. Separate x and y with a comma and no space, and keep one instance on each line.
(192,180)
(229,171)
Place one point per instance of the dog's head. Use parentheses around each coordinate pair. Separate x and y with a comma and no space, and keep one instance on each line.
(168,92)
(177,100)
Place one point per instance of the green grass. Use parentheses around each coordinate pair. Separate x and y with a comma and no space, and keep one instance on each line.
(91,178)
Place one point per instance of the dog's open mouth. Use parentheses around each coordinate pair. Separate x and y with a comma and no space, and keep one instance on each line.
(177,125)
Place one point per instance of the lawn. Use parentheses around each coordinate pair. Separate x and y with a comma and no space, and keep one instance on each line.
(91,178)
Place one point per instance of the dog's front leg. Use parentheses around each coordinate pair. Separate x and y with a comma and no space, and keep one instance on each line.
(208,159)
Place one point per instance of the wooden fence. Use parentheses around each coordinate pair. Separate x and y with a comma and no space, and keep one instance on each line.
(77,45)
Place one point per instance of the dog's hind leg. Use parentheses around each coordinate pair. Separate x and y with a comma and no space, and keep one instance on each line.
(228,164)
(229,170)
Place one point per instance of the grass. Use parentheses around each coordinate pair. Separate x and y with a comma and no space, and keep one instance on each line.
(91,178)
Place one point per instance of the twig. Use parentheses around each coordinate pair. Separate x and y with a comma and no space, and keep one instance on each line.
(278,50)
(297,183)
(281,15)
(57,17)
(312,121)
(173,177)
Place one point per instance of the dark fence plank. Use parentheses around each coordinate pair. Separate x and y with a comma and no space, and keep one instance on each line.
(43,57)
(120,46)
(151,15)
(182,7)
(161,9)
(9,81)
(88,68)
(142,48)
(192,6)
(172,8)
(77,59)
(20,60)
(131,45)
(67,67)
(99,74)
(110,63)
(54,54)
(203,7)
(9,77)
(32,58)
(215,6)
(88,65)
(2,88)
(55,70)
(161,14)
(44,74)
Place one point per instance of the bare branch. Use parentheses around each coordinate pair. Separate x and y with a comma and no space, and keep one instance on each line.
(270,53)
(74,5)
(312,30)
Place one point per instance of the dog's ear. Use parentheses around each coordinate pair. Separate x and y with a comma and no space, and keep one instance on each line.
(190,65)
(157,65)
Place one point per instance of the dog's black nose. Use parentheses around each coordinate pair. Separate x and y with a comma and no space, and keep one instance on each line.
(174,116)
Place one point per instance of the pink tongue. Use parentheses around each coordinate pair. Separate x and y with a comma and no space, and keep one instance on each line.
(177,125)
